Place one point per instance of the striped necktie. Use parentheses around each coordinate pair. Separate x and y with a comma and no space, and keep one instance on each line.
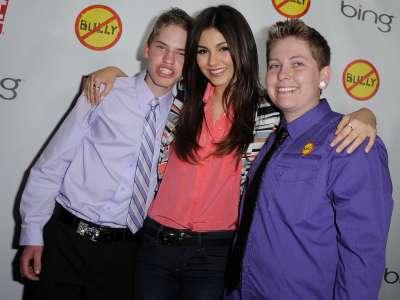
(137,208)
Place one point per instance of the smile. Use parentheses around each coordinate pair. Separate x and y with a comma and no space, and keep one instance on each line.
(286,89)
(217,71)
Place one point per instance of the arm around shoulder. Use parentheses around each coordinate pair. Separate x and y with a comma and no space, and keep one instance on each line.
(106,77)
(353,129)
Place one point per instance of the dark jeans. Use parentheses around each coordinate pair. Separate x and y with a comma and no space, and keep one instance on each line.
(180,271)
(74,267)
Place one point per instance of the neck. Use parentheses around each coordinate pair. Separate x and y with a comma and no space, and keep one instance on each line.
(217,103)
(291,116)
(156,90)
(218,93)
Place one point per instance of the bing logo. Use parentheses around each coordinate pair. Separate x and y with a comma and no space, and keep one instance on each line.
(383,21)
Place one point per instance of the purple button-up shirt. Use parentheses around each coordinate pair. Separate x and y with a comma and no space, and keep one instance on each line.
(322,219)
(89,165)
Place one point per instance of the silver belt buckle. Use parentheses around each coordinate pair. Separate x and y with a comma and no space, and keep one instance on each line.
(85,230)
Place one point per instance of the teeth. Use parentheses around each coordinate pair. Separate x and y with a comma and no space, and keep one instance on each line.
(165,71)
(217,71)
(286,89)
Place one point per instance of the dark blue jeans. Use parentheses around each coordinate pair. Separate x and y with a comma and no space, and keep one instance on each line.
(176,271)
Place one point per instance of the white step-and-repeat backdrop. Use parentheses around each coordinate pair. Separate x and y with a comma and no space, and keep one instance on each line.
(46,46)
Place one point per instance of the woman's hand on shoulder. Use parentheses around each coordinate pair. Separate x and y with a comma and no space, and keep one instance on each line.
(93,81)
(353,129)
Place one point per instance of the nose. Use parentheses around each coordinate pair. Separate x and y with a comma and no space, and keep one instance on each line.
(169,57)
(284,73)
(212,58)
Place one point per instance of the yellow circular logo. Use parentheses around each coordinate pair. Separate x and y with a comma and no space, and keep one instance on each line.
(307,149)
(292,8)
(98,27)
(361,79)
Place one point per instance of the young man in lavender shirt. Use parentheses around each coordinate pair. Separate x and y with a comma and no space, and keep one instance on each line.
(75,205)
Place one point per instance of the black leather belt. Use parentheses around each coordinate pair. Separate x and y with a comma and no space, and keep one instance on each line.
(91,231)
(178,237)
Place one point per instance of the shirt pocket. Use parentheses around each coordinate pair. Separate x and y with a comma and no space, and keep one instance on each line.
(296,178)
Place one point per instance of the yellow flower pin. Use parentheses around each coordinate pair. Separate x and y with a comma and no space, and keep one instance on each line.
(307,149)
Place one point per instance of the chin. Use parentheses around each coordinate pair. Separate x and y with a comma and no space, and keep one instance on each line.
(220,84)
(166,83)
(283,104)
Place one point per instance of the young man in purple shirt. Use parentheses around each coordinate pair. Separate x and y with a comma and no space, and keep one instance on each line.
(320,220)
(75,205)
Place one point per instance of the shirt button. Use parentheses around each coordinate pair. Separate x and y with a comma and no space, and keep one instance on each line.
(122,188)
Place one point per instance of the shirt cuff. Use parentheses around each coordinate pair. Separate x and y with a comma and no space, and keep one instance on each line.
(31,236)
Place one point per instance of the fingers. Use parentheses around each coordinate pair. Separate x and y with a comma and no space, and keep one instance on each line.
(94,94)
(348,139)
(87,87)
(96,91)
(341,133)
(105,77)
(37,262)
(342,124)
(371,143)
(107,89)
(91,89)
(352,135)
(85,84)
(353,129)
(350,143)
(30,263)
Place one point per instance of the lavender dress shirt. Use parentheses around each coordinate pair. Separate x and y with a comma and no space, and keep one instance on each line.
(89,165)
(322,219)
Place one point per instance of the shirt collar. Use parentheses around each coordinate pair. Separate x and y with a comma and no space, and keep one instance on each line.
(208,93)
(308,120)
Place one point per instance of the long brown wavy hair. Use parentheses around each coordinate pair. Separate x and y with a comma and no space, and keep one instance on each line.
(243,94)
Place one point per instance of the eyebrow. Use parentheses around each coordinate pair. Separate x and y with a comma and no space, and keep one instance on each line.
(298,56)
(166,45)
(292,57)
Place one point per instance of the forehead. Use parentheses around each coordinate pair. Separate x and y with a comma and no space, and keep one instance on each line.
(211,35)
(290,46)
(172,35)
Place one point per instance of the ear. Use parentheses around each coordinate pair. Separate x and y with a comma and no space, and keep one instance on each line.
(146,50)
(325,76)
